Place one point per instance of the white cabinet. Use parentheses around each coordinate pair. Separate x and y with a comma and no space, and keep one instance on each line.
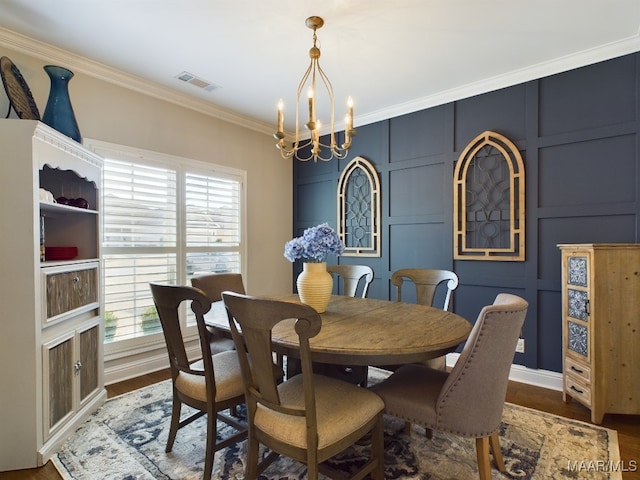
(51,340)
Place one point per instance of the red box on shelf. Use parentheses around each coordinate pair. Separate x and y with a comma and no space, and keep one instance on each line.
(60,253)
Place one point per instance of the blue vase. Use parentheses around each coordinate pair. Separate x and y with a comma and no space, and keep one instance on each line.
(58,113)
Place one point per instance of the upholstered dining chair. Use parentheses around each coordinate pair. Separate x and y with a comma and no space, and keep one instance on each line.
(213,284)
(426,282)
(351,278)
(469,400)
(308,417)
(209,385)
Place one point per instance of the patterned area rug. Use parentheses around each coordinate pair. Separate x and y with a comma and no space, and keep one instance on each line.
(125,440)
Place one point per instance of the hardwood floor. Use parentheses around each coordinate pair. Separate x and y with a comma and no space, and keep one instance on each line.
(628,426)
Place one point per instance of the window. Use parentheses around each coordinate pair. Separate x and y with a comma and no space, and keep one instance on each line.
(164,219)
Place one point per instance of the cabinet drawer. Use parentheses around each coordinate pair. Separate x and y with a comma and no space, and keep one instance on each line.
(69,290)
(577,390)
(577,369)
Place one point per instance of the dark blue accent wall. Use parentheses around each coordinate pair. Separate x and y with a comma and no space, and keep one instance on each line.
(578,134)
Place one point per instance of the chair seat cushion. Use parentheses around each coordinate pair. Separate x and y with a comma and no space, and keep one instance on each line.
(227,376)
(341,408)
(411,393)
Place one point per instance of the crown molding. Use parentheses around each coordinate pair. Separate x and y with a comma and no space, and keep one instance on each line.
(516,77)
(29,46)
(35,48)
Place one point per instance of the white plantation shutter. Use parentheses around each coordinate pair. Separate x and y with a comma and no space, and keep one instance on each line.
(162,224)
(140,243)
(212,224)
(212,201)
(139,206)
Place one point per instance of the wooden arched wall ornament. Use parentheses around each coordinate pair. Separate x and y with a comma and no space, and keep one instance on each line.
(359,209)
(489,201)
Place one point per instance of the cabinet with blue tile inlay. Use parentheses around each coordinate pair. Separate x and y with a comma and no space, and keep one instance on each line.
(601,327)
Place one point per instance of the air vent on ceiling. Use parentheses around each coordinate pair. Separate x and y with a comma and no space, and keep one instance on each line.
(198,82)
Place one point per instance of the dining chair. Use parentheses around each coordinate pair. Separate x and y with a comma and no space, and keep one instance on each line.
(351,278)
(427,282)
(213,284)
(469,400)
(308,417)
(209,385)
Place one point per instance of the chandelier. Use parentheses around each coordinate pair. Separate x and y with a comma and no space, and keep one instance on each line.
(298,147)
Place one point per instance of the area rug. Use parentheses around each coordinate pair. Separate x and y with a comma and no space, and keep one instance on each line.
(125,440)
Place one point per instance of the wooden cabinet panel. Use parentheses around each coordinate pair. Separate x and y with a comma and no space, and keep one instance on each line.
(90,361)
(67,291)
(60,372)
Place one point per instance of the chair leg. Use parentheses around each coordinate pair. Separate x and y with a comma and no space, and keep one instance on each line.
(377,448)
(175,423)
(312,471)
(428,433)
(212,429)
(494,442)
(482,452)
(252,458)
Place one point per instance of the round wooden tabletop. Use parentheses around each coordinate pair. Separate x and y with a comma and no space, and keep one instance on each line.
(363,331)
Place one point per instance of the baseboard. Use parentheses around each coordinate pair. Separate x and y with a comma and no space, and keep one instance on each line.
(522,374)
(118,370)
(154,361)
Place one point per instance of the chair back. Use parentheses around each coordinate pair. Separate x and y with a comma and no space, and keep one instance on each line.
(426,281)
(351,276)
(167,299)
(482,370)
(213,284)
(256,318)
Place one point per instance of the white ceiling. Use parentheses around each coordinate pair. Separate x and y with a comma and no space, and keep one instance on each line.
(392,57)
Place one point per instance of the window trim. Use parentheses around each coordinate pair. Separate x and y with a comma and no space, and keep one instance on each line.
(182,165)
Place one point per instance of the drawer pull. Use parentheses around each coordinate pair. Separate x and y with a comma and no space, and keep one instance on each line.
(577,390)
(576,369)
(76,279)
(77,367)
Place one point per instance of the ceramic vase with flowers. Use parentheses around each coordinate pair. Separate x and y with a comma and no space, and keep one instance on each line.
(314,283)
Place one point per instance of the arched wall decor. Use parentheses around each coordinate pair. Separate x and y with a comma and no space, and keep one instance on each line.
(359,209)
(489,201)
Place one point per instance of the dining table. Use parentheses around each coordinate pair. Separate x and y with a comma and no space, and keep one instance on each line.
(366,331)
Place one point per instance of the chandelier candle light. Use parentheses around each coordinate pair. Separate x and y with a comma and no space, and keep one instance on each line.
(313,124)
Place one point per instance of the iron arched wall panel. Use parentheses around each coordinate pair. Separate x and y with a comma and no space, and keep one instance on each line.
(489,210)
(359,209)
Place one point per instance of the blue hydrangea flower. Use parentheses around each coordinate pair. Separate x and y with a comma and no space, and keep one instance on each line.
(314,245)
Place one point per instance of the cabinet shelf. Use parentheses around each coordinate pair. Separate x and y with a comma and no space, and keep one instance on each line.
(57,209)
(61,263)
